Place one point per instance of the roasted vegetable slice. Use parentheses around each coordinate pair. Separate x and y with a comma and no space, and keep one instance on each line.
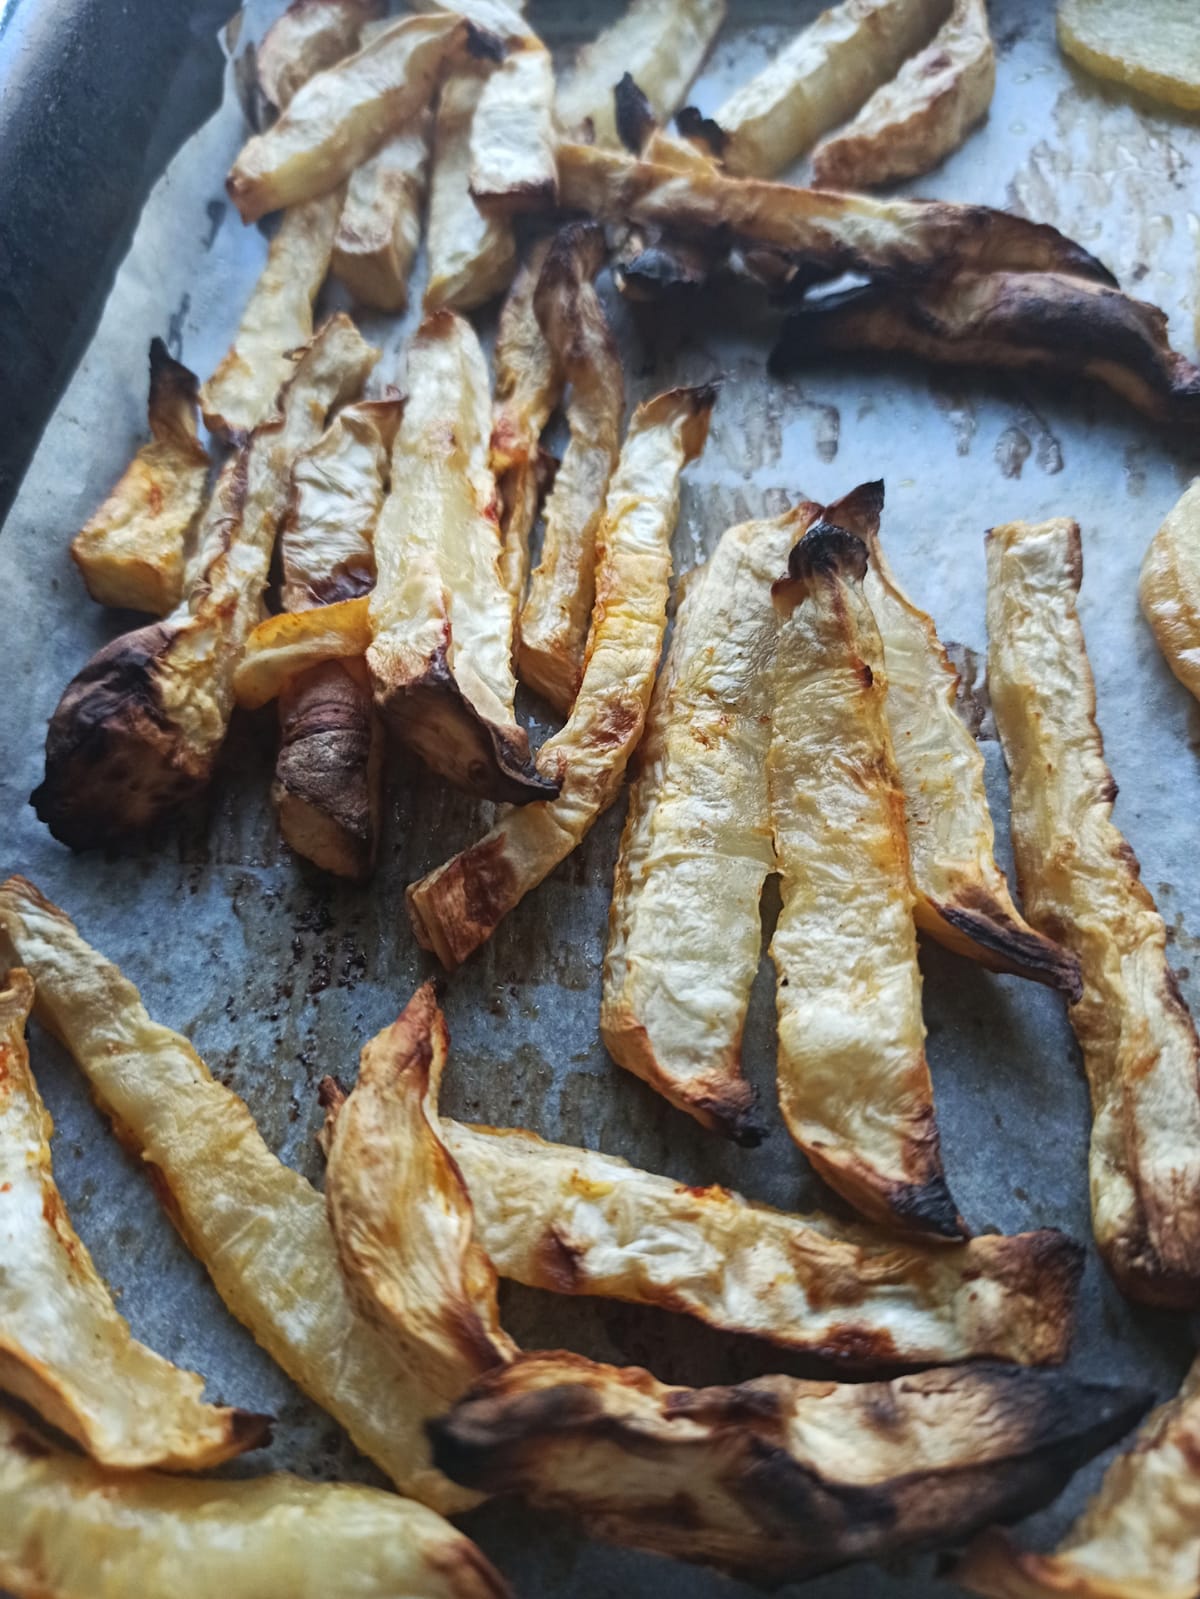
(277,321)
(513,137)
(139,728)
(555,617)
(777,1479)
(455,908)
(441,618)
(1082,887)
(64,1349)
(1151,46)
(258,1227)
(379,230)
(1138,1539)
(1169,589)
(131,551)
(310,36)
(472,257)
(685,934)
(854,1084)
(70,1530)
(282,647)
(924,114)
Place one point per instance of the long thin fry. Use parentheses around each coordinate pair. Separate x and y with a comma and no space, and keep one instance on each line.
(513,137)
(1169,588)
(472,257)
(379,230)
(310,36)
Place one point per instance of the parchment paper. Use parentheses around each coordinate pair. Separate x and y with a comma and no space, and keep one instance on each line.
(279,975)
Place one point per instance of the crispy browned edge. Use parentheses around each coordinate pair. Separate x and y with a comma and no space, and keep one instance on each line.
(717,1099)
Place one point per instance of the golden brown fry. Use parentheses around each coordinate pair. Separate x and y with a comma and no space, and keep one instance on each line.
(555,617)
(912,123)
(70,1530)
(257,1226)
(854,1084)
(455,908)
(513,136)
(1082,887)
(1139,1538)
(820,79)
(662,43)
(777,1479)
(284,646)
(380,226)
(138,730)
(1169,588)
(472,257)
(277,321)
(64,1349)
(442,620)
(130,553)
(310,36)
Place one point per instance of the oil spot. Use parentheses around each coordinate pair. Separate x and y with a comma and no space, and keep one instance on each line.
(1135,470)
(960,413)
(1013,449)
(1047,451)
(971,699)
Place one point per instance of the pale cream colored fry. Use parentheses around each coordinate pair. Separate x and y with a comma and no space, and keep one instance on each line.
(472,257)
(514,141)
(310,36)
(379,230)
(1169,588)
(1082,887)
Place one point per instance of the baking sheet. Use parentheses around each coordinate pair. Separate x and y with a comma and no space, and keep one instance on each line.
(279,974)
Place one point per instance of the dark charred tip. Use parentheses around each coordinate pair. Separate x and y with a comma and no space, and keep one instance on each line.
(860,510)
(169,377)
(928,1208)
(331,1094)
(702,129)
(1014,949)
(484,45)
(250,1430)
(634,114)
(828,551)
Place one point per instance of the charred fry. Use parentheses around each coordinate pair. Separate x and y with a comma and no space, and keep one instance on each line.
(1082,887)
(854,1085)
(1169,589)
(380,226)
(455,908)
(131,551)
(310,36)
(554,620)
(471,256)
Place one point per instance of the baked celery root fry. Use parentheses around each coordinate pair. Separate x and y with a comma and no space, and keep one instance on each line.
(441,617)
(778,1479)
(277,321)
(138,730)
(819,80)
(71,1530)
(1048,322)
(64,1348)
(379,229)
(1139,1538)
(310,36)
(283,647)
(558,608)
(342,115)
(258,1227)
(513,136)
(1082,887)
(472,256)
(1151,47)
(914,122)
(962,897)
(685,933)
(460,904)
(1169,588)
(130,553)
(662,43)
(400,1211)
(854,1084)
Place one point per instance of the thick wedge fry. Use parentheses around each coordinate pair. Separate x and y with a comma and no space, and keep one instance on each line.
(777,1479)
(663,44)
(455,908)
(1151,47)
(513,138)
(379,230)
(257,1226)
(912,123)
(340,116)
(472,257)
(441,618)
(1169,589)
(685,934)
(70,1530)
(820,79)
(139,728)
(854,1085)
(310,36)
(1082,887)
(555,617)
(1138,1539)
(283,647)
(64,1349)
(130,553)
(277,321)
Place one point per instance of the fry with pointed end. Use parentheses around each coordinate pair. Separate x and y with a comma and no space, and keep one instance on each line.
(1169,589)
(663,43)
(277,321)
(1082,887)
(459,905)
(71,1530)
(513,136)
(685,933)
(379,230)
(1139,1538)
(130,553)
(64,1349)
(854,1084)
(400,1211)
(283,647)
(441,618)
(914,122)
(555,617)
(472,256)
(310,36)
(138,730)
(257,1226)
(777,1479)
